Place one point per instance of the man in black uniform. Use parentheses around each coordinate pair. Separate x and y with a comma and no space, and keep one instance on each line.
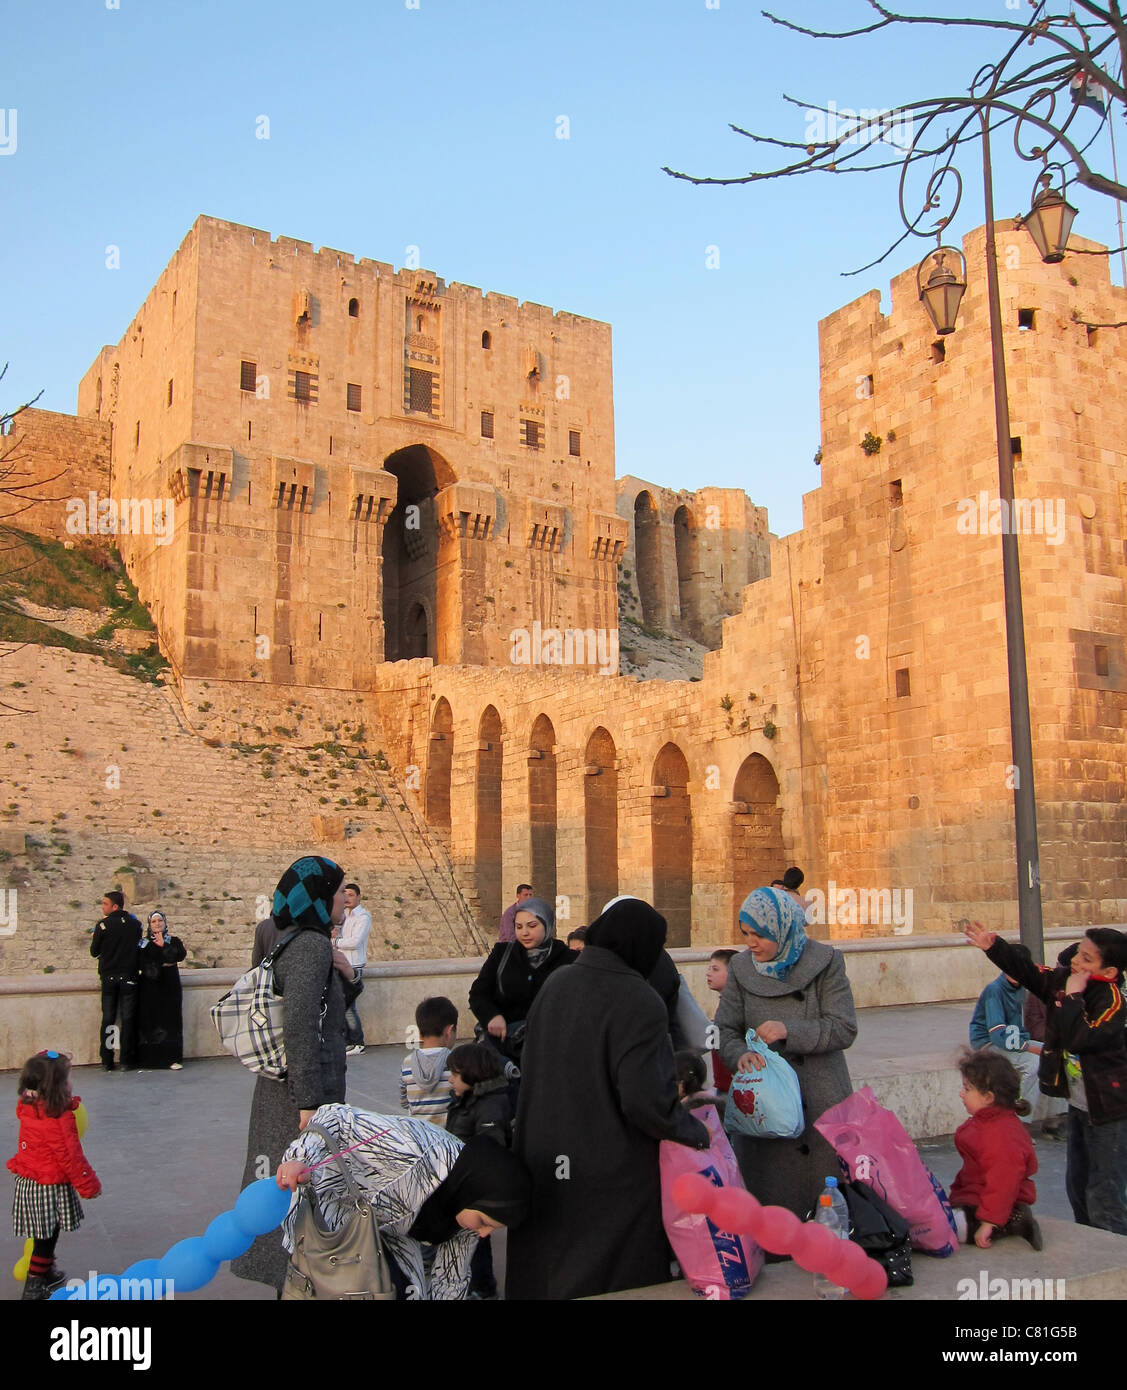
(115,945)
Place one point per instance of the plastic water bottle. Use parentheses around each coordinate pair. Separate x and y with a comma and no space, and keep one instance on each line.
(840,1206)
(826,1216)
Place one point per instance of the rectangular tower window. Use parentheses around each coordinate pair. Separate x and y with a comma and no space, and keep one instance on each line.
(487,424)
(573,443)
(1015,448)
(169,390)
(896,493)
(903,683)
(1101,661)
(1026,319)
(353,396)
(137,436)
(939,351)
(530,433)
(248,376)
(422,390)
(301,383)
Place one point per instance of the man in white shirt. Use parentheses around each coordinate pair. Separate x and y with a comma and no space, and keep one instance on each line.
(352,942)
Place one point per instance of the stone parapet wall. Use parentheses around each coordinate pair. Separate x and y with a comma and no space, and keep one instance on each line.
(62,1010)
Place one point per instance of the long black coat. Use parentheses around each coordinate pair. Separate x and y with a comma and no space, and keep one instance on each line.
(160,1025)
(316,1065)
(598,1094)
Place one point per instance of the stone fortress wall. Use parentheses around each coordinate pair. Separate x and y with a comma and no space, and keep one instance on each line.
(854,718)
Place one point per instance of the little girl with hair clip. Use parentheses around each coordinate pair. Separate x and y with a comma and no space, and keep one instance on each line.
(50,1168)
(993,1194)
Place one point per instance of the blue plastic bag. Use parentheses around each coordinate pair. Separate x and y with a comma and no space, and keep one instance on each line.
(765,1104)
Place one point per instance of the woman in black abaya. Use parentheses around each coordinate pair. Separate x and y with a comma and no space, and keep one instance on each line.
(598,1095)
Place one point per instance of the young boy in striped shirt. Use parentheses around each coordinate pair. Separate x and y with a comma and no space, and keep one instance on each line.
(424,1084)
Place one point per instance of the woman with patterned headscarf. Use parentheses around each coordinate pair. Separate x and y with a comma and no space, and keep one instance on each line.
(795,994)
(308,900)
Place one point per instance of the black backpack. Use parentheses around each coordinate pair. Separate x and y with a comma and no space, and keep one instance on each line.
(880,1231)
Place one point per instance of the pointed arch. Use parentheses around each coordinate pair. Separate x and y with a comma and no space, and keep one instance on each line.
(672,844)
(440,756)
(487,815)
(542,807)
(756,832)
(600,820)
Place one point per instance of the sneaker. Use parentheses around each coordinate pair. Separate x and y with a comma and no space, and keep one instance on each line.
(354,1050)
(35,1289)
(55,1278)
(176,1066)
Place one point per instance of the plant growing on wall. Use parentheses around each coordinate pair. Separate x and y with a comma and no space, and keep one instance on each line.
(871,443)
(769,730)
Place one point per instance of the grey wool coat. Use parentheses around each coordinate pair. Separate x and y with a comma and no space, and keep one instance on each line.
(598,1094)
(815,1003)
(315,1059)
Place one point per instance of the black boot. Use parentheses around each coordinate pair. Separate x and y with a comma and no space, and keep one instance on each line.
(35,1289)
(55,1278)
(1022,1223)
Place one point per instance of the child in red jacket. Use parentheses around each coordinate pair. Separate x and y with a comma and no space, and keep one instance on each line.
(51,1169)
(994,1192)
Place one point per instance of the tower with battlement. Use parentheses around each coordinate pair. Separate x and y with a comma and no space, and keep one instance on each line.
(363,465)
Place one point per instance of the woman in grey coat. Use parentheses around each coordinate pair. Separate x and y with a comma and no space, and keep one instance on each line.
(310,899)
(795,994)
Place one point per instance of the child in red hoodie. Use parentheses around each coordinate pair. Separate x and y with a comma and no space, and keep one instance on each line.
(51,1170)
(994,1192)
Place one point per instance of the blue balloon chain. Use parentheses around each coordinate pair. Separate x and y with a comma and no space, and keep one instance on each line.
(190,1264)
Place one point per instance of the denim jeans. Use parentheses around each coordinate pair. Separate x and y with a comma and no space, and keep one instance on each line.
(353,1029)
(1096,1177)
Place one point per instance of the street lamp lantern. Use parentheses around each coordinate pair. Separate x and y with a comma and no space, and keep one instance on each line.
(1050,219)
(943,290)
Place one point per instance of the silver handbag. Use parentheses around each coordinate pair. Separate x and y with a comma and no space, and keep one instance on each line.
(348,1263)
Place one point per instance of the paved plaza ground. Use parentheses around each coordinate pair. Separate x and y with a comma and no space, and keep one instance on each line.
(169,1148)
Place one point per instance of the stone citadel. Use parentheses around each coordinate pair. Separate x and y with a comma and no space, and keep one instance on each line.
(399,495)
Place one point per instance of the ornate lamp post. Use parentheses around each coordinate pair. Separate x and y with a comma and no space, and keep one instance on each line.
(1049,222)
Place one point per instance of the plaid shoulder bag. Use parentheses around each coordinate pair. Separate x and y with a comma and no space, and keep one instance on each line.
(248,1018)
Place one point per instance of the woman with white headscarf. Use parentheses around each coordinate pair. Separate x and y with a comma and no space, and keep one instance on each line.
(160,1027)
(795,994)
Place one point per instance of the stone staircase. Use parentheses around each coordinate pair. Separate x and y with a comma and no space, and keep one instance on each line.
(103,773)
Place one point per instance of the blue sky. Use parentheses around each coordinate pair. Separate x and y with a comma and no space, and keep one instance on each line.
(436,126)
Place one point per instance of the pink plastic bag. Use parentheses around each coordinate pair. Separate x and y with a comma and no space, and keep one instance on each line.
(718,1264)
(873,1144)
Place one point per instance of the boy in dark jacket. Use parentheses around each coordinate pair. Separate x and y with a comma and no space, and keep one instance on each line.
(481,1105)
(115,945)
(1084,1059)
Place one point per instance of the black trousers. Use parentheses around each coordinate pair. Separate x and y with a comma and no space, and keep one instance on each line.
(119,994)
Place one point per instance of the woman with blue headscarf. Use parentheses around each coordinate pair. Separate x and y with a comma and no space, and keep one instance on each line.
(308,901)
(795,994)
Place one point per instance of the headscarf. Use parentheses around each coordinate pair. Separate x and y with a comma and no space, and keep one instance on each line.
(485,1178)
(772,912)
(149,928)
(304,895)
(537,955)
(633,931)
